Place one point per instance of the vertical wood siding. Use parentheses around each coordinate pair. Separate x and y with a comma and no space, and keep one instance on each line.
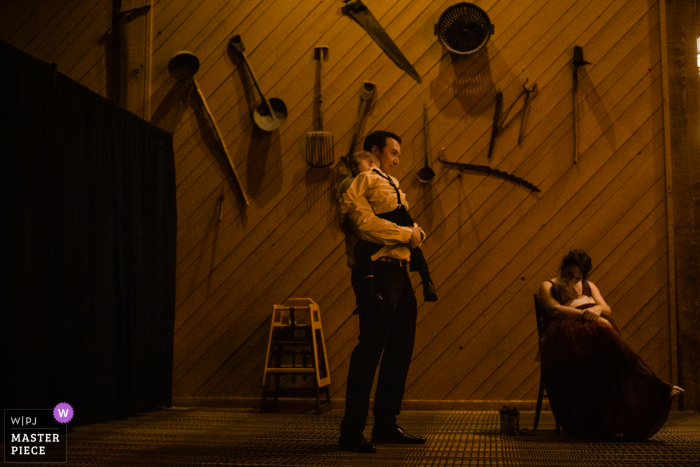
(491,242)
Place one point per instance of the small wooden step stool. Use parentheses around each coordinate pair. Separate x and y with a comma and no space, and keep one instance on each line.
(296,351)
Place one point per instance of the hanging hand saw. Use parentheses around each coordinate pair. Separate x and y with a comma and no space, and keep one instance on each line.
(361,14)
(491,171)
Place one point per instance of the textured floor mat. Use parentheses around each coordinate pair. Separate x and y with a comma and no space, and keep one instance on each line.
(236,437)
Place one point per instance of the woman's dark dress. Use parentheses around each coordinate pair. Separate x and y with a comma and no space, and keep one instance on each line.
(597,386)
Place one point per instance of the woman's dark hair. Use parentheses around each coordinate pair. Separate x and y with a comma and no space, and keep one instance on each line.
(577,258)
(378,138)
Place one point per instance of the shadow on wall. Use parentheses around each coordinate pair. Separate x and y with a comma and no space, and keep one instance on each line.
(467,78)
(169,113)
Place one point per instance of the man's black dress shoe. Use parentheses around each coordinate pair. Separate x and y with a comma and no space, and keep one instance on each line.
(395,435)
(356,444)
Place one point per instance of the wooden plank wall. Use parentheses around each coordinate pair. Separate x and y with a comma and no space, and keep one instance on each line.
(491,242)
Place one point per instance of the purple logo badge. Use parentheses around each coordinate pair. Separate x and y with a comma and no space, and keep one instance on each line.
(63,412)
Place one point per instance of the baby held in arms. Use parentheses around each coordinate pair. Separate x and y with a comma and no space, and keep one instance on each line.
(575,299)
(580,300)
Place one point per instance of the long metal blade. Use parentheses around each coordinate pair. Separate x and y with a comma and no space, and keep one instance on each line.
(491,171)
(361,14)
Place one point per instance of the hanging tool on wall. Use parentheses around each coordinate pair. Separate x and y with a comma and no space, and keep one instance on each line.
(527,93)
(183,66)
(496,122)
(361,14)
(499,123)
(489,171)
(342,169)
(366,94)
(319,144)
(426,174)
(577,62)
(269,114)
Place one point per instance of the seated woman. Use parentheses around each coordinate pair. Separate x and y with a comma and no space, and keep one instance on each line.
(597,386)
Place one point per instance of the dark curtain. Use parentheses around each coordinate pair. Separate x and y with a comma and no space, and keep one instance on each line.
(87,248)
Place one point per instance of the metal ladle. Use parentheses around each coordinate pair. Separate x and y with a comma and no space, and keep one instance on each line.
(183,66)
(270,114)
(426,174)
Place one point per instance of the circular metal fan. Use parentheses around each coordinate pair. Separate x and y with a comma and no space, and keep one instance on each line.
(464,28)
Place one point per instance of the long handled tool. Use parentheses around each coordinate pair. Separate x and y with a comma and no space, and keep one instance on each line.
(496,122)
(270,114)
(500,122)
(183,65)
(426,174)
(577,62)
(527,93)
(342,169)
(367,93)
(319,144)
(361,14)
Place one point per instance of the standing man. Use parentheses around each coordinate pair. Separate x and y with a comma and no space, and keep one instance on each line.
(388,320)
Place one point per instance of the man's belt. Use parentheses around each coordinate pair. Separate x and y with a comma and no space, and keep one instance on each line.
(394,261)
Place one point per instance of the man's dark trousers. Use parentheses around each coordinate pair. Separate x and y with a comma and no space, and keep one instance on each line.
(387,326)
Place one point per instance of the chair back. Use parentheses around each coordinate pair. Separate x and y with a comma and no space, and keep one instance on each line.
(541,316)
(543,319)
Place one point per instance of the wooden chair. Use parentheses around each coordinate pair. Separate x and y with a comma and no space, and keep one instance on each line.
(542,321)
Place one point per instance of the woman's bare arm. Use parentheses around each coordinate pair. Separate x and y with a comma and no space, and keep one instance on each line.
(601,308)
(553,307)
